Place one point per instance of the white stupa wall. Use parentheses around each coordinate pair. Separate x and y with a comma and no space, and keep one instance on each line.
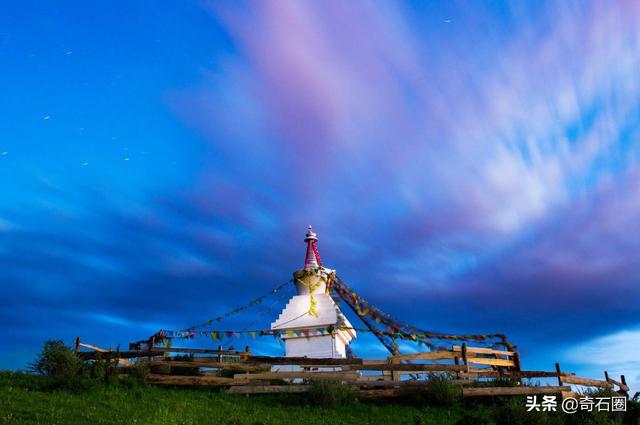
(319,347)
(296,317)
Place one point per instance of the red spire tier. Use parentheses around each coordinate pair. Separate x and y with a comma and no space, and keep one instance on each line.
(313,258)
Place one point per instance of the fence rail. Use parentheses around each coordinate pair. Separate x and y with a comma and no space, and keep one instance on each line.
(477,371)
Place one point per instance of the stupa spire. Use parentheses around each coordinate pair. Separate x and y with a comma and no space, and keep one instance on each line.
(313,258)
(311,323)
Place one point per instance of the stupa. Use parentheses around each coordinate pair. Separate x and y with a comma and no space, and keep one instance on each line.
(311,323)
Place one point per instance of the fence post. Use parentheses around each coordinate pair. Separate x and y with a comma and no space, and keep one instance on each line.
(516,361)
(517,365)
(559,374)
(150,345)
(395,375)
(464,356)
(623,381)
(77,344)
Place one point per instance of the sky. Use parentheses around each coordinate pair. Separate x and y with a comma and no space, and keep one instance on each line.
(468,166)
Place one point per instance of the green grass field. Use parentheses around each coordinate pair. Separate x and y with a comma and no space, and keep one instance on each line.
(23,399)
(28,399)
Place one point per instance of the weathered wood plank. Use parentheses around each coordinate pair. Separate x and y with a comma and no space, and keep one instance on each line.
(400,373)
(481,350)
(207,373)
(317,367)
(158,351)
(586,382)
(405,383)
(512,374)
(492,362)
(200,351)
(121,362)
(303,361)
(92,347)
(267,389)
(496,391)
(412,367)
(92,355)
(374,362)
(367,378)
(622,386)
(434,355)
(193,380)
(569,394)
(206,359)
(250,367)
(343,376)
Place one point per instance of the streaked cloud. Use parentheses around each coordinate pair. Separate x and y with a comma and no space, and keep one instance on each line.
(616,353)
(468,168)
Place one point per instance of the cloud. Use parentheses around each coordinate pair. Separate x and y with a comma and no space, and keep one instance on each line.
(477,175)
(617,353)
(484,171)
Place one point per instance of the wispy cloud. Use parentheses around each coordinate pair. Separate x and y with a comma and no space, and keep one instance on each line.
(616,353)
(467,167)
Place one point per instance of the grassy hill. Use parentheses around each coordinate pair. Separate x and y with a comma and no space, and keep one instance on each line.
(31,399)
(28,399)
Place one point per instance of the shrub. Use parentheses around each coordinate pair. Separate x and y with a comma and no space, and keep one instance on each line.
(100,370)
(330,393)
(441,391)
(64,369)
(138,374)
(56,361)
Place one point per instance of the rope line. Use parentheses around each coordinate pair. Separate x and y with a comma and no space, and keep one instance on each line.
(392,329)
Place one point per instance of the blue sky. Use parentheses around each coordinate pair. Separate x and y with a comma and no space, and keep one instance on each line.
(468,167)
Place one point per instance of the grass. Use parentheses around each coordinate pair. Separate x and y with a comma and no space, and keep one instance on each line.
(26,399)
(32,399)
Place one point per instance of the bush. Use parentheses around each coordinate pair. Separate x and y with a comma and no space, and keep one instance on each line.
(101,370)
(330,393)
(56,361)
(138,374)
(441,391)
(64,369)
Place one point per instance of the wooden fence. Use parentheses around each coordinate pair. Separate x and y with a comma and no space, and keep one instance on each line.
(477,371)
